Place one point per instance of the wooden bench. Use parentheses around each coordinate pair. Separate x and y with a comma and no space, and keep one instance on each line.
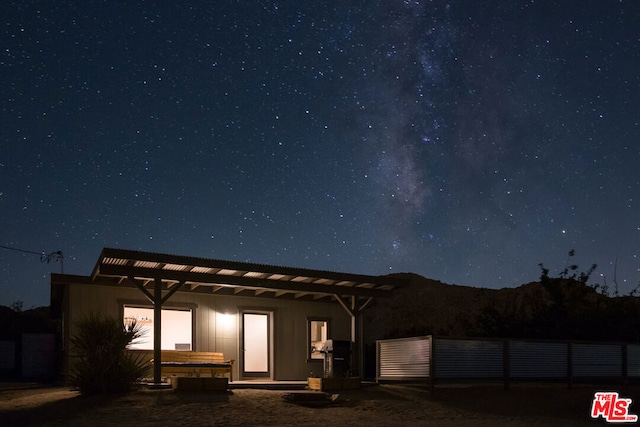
(194,363)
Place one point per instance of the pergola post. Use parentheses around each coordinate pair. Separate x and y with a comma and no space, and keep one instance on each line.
(355,311)
(157,331)
(157,300)
(356,338)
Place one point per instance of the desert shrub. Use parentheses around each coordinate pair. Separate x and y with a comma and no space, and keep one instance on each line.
(100,360)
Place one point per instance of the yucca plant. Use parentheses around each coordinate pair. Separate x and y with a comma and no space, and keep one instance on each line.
(100,362)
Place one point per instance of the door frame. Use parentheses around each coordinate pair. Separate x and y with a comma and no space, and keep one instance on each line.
(257,375)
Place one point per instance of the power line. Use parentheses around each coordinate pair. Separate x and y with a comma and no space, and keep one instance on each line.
(44,257)
(21,250)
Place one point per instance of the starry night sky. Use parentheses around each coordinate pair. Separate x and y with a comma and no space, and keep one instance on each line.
(464,141)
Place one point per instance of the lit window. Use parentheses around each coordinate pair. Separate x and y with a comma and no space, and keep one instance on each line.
(176,328)
(318,333)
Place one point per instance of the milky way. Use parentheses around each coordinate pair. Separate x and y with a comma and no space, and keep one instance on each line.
(461,141)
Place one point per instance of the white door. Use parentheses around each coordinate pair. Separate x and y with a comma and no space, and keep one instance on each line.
(256,342)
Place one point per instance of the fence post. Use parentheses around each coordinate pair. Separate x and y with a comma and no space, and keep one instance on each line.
(625,364)
(432,364)
(17,354)
(377,361)
(569,365)
(506,363)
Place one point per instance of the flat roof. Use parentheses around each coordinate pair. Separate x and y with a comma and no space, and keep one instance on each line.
(120,267)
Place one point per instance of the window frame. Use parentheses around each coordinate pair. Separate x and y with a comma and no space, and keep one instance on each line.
(316,357)
(170,307)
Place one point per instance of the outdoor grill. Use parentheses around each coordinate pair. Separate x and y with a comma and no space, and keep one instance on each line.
(336,358)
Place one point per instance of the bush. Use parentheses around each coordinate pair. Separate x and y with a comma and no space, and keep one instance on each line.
(100,361)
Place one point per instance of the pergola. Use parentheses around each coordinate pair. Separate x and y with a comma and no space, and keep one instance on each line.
(159,276)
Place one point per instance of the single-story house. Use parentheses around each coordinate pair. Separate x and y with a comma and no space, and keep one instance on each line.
(266,318)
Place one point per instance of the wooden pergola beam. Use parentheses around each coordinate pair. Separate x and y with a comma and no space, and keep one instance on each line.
(235,281)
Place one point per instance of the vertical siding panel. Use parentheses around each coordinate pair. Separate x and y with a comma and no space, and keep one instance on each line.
(224,331)
(286,336)
(205,330)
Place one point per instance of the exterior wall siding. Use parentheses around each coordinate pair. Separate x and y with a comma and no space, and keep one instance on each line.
(217,322)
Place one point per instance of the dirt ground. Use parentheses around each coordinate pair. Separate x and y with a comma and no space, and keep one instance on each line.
(374,405)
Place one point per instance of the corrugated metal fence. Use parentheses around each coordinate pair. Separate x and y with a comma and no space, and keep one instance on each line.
(430,358)
(404,359)
(30,356)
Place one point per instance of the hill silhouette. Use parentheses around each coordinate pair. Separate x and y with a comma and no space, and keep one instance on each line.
(552,308)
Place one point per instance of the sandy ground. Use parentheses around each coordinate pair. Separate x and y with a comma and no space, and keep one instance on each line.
(377,405)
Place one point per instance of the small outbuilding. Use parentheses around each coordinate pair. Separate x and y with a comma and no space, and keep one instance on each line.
(268,319)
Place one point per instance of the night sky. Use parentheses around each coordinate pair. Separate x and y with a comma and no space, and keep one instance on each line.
(464,141)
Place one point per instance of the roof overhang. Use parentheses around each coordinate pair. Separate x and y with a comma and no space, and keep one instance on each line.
(120,267)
